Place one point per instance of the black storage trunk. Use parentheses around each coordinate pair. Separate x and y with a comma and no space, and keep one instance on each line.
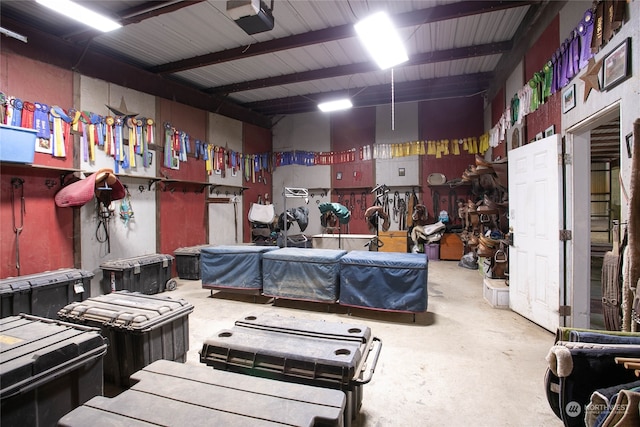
(173,394)
(188,262)
(47,368)
(141,329)
(43,294)
(331,355)
(147,274)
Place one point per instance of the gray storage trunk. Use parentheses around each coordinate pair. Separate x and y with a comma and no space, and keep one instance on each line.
(43,294)
(147,274)
(47,368)
(141,329)
(331,355)
(188,262)
(172,394)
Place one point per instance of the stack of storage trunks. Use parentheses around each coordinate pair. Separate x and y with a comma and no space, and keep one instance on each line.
(336,356)
(140,328)
(47,368)
(43,294)
(148,274)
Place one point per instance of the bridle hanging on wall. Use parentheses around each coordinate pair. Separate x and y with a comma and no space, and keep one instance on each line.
(17,184)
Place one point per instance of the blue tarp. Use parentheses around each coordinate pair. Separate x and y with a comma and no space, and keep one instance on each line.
(232,267)
(305,274)
(391,281)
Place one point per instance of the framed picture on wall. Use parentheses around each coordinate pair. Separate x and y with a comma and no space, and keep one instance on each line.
(569,98)
(550,131)
(617,65)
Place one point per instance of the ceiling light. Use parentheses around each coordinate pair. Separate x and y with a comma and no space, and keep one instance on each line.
(81,14)
(339,104)
(379,36)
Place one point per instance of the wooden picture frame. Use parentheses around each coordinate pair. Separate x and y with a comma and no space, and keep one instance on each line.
(616,66)
(569,98)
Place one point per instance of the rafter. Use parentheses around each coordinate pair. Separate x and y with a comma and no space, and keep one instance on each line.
(418,17)
(363,67)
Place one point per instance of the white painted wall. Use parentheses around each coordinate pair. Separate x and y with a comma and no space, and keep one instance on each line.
(139,236)
(305,132)
(224,227)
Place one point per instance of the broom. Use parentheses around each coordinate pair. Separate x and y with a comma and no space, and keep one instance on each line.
(611,291)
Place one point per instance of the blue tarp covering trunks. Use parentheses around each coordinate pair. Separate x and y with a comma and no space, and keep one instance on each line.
(232,268)
(304,274)
(384,280)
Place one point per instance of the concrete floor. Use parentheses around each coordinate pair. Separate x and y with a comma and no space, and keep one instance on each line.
(461,363)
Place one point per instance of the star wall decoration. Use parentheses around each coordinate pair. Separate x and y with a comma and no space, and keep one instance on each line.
(590,77)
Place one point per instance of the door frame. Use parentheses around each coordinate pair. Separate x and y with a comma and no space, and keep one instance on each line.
(578,215)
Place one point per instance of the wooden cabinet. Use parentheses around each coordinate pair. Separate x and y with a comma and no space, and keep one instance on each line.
(451,247)
(394,241)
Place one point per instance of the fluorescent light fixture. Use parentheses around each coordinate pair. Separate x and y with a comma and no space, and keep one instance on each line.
(340,104)
(379,36)
(81,14)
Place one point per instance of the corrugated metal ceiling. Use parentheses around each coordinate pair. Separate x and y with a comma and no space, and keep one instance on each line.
(456,48)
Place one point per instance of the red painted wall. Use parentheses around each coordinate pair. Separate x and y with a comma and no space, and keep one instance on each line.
(448,119)
(549,113)
(353,129)
(46,241)
(182,217)
(255,140)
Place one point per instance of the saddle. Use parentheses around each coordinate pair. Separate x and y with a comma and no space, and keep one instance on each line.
(104,185)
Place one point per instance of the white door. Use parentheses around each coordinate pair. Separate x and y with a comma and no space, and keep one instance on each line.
(536,258)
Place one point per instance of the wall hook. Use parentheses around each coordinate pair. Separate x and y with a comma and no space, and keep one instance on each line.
(50,183)
(141,188)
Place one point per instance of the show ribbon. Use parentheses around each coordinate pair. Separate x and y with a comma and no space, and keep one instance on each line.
(168,144)
(109,140)
(61,130)
(119,151)
(27,115)
(132,142)
(3,108)
(16,119)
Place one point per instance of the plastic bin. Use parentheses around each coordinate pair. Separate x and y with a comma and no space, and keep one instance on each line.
(332,355)
(432,251)
(188,262)
(17,144)
(43,294)
(214,398)
(147,274)
(47,368)
(141,329)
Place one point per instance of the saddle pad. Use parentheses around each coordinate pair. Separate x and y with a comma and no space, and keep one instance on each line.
(263,214)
